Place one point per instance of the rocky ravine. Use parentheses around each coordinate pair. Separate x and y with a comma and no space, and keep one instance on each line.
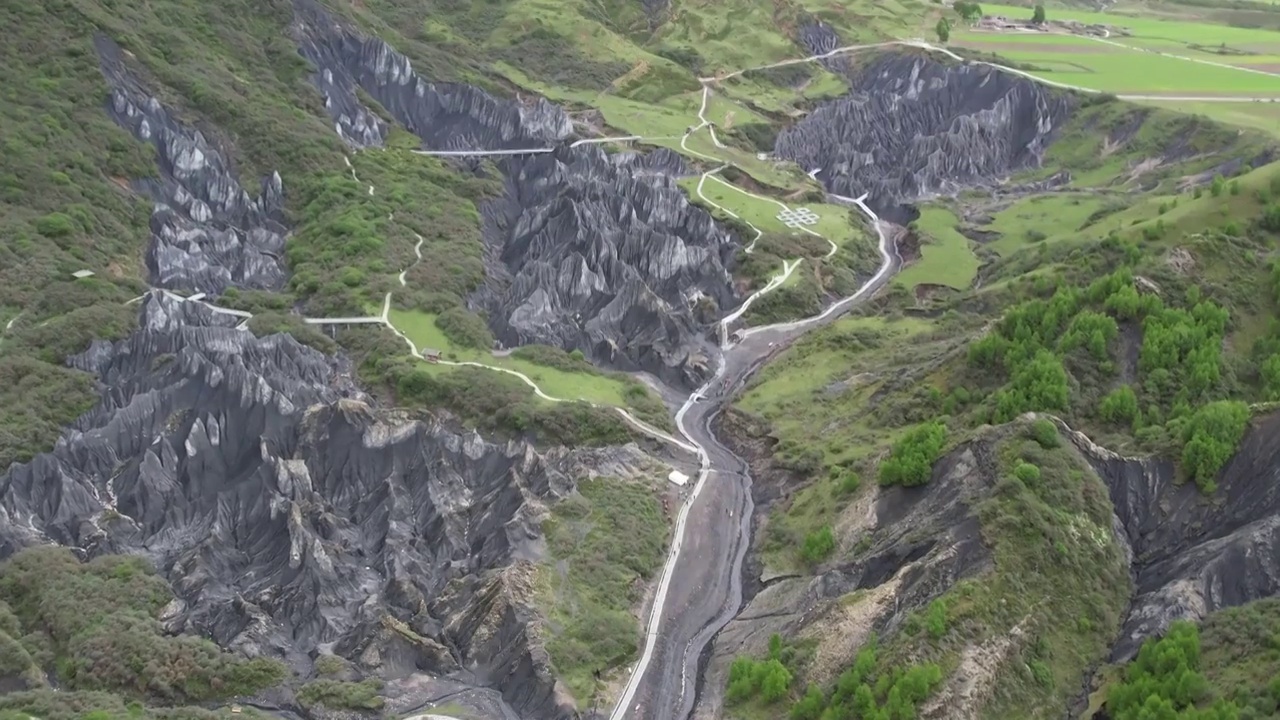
(1191,557)
(1187,557)
(292,517)
(586,250)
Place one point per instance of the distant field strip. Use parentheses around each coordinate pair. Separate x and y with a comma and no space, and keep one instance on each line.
(1119,70)
(1198,59)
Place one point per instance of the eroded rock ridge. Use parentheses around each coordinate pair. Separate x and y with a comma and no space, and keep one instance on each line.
(447,116)
(207,232)
(586,250)
(912,127)
(1190,556)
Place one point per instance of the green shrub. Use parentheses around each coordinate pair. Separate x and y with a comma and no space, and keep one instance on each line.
(750,678)
(1120,406)
(1044,432)
(465,329)
(339,695)
(849,482)
(935,618)
(912,458)
(55,225)
(1027,473)
(818,545)
(1210,438)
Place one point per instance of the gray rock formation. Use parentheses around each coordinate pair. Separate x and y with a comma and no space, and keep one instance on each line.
(291,517)
(207,233)
(605,253)
(820,38)
(447,116)
(912,127)
(586,250)
(1193,555)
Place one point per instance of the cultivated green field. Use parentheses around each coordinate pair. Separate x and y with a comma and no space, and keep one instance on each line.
(1170,57)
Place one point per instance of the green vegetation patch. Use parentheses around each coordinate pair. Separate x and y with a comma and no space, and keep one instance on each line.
(341,695)
(96,626)
(559,374)
(870,688)
(603,544)
(913,456)
(946,257)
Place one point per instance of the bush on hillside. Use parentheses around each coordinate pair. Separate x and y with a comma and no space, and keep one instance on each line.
(1210,438)
(912,458)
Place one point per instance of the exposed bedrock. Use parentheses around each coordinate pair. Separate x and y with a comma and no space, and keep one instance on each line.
(292,517)
(605,253)
(1191,554)
(912,127)
(447,116)
(207,233)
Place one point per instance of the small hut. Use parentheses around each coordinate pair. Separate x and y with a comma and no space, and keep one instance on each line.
(431,356)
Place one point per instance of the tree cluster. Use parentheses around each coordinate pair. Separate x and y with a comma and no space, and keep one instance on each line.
(864,691)
(912,457)
(970,11)
(1180,365)
(1164,682)
(1210,438)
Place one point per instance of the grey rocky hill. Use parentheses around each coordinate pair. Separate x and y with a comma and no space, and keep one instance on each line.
(292,517)
(207,232)
(912,127)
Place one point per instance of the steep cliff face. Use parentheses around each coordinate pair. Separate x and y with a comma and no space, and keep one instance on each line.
(207,233)
(912,127)
(1193,555)
(604,253)
(290,516)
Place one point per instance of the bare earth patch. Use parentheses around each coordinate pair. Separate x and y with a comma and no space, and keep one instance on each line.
(961,696)
(846,627)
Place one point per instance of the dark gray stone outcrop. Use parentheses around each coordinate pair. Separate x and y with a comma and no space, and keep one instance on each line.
(605,253)
(291,517)
(912,127)
(820,38)
(1193,554)
(447,116)
(207,233)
